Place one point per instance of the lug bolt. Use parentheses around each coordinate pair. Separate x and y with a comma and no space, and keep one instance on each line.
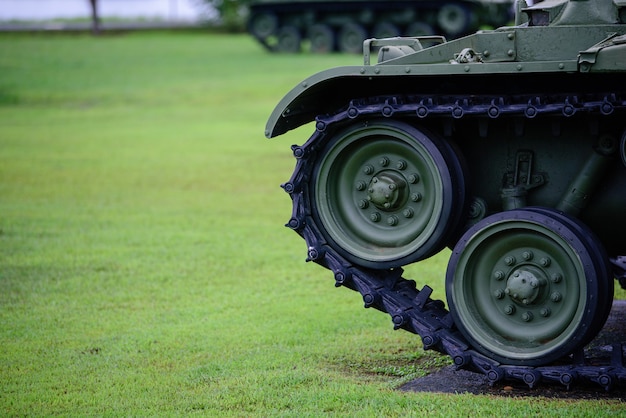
(363,204)
(499,275)
(416,197)
(545,312)
(556,277)
(408,213)
(368,169)
(527,255)
(375,217)
(392,220)
(509,309)
(499,293)
(545,261)
(414,178)
(384,161)
(401,165)
(527,316)
(361,185)
(556,297)
(509,260)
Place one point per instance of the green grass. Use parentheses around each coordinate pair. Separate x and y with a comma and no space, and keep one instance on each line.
(144,269)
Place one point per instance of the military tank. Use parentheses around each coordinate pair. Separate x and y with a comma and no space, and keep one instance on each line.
(508,147)
(284,25)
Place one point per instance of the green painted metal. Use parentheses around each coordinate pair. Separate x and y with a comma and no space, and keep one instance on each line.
(519,291)
(556,48)
(507,145)
(382,191)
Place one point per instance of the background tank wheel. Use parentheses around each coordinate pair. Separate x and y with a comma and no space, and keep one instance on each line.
(289,39)
(528,286)
(263,25)
(387,194)
(454,19)
(385,30)
(322,38)
(351,37)
(419,29)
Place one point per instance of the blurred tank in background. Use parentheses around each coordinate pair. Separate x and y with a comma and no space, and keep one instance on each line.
(343,25)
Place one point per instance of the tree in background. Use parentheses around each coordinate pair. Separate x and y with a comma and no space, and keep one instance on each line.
(95,20)
(233,13)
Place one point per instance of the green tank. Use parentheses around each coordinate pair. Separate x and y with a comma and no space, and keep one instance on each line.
(326,26)
(507,146)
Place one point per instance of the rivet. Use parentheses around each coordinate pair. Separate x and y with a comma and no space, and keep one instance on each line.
(362,70)
(304,84)
(486,53)
(561,66)
(393,186)
(510,36)
(407,69)
(466,68)
(519,67)
(510,52)
(377,70)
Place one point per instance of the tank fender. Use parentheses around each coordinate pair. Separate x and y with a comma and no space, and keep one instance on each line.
(318,94)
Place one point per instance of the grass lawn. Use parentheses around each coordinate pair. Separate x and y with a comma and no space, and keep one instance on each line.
(144,268)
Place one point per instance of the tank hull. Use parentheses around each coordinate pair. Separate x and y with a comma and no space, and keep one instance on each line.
(507,146)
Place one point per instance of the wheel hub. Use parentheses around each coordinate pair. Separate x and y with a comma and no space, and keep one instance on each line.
(524,285)
(387,191)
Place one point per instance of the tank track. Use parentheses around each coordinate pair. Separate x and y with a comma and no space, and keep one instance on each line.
(386,290)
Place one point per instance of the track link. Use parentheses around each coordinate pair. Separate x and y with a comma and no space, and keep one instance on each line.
(386,290)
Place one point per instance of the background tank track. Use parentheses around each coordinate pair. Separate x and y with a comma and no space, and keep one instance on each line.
(386,290)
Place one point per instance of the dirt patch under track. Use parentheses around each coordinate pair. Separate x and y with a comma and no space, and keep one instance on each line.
(450,380)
